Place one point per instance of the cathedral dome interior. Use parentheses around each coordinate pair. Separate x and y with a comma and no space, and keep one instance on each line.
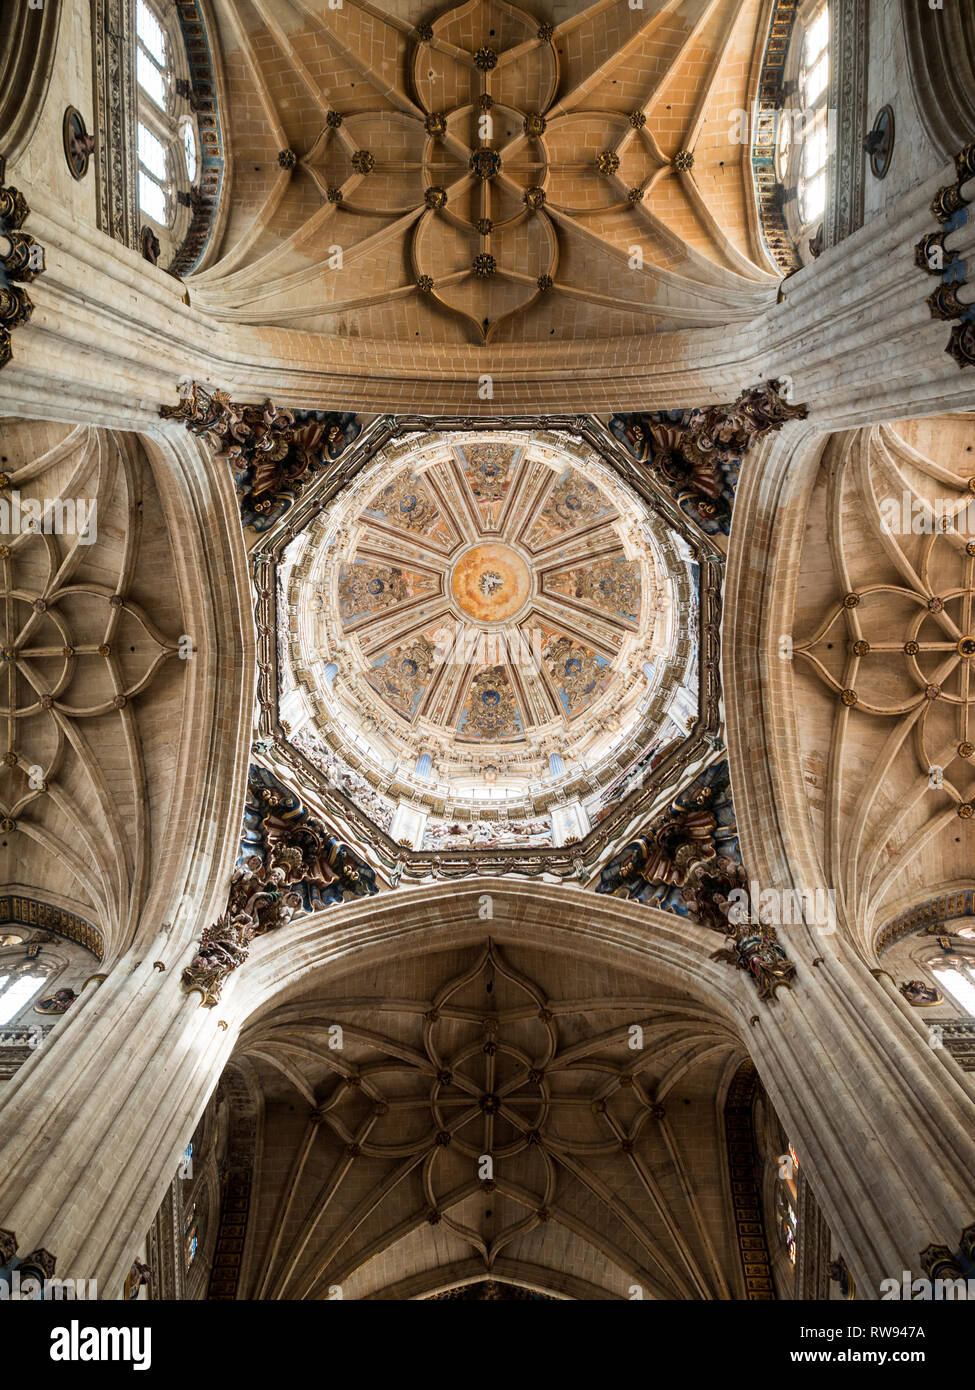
(483,621)
(487,624)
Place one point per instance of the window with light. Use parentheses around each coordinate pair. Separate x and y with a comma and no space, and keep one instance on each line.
(956,979)
(167,140)
(813,97)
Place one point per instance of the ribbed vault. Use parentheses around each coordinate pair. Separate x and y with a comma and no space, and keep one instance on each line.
(594,1093)
(489,176)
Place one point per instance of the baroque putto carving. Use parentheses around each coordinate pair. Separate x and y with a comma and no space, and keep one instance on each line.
(697,453)
(274,453)
(689,863)
(290,864)
(21,260)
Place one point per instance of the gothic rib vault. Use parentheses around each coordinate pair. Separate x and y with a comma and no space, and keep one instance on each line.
(380,756)
(485,177)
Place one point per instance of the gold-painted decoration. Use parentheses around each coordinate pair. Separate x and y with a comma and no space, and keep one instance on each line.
(485,59)
(608,162)
(363,162)
(743,1164)
(485,163)
(849,698)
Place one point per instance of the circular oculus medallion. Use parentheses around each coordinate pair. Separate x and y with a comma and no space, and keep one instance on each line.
(490,583)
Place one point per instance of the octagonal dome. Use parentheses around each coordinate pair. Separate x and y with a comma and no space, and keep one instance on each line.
(485,621)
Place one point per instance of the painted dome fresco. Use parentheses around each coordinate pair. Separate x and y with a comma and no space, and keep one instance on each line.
(481,615)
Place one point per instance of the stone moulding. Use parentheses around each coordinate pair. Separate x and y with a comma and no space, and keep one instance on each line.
(113,56)
(576,861)
(849,24)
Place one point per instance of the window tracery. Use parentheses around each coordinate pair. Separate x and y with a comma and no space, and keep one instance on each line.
(804,134)
(167,138)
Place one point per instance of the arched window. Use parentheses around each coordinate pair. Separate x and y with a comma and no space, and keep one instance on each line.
(802,155)
(14,996)
(813,93)
(168,142)
(957,977)
(787,1201)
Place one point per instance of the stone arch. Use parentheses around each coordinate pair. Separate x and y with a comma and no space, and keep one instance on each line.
(941,68)
(28,40)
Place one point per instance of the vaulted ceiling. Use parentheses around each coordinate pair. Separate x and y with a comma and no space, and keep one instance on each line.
(884,645)
(596,1100)
(91,689)
(479,173)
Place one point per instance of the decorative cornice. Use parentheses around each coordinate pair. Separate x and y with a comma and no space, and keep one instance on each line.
(950,209)
(849,22)
(927,916)
(205,197)
(746,1200)
(235,1189)
(21,911)
(113,56)
(765,132)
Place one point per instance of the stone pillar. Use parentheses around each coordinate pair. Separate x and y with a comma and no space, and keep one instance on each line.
(884,1128)
(94,1127)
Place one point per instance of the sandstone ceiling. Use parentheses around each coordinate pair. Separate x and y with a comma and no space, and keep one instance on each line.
(884,645)
(480,174)
(607,1159)
(91,691)
(494,600)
